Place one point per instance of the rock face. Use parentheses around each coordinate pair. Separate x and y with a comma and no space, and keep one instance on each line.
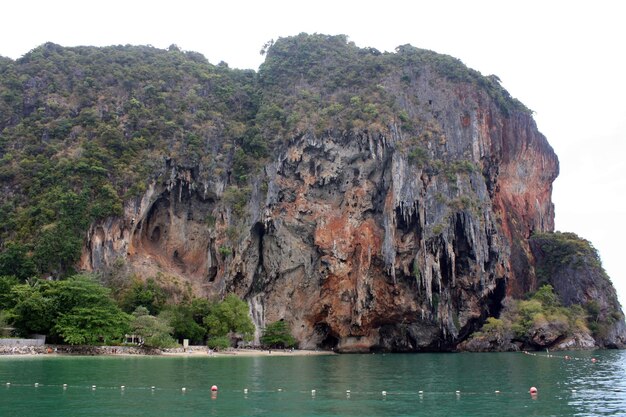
(381,237)
(572,266)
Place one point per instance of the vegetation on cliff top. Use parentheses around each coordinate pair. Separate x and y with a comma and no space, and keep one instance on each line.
(320,83)
(563,249)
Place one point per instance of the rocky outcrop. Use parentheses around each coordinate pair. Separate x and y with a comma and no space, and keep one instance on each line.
(572,266)
(355,243)
(397,235)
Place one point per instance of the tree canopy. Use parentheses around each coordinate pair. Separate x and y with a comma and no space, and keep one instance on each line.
(154,331)
(230,317)
(79,310)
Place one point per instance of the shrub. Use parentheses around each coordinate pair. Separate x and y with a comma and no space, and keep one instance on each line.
(418,156)
(219,342)
(542,309)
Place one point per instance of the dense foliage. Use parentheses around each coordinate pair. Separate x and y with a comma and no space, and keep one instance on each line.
(230,318)
(79,310)
(187,319)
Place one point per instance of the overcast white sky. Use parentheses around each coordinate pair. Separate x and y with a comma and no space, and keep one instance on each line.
(563,59)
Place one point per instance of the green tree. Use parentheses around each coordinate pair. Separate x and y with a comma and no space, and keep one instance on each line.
(200,308)
(78,309)
(89,325)
(154,331)
(34,310)
(181,318)
(546,296)
(277,334)
(5,329)
(218,342)
(230,317)
(145,294)
(86,312)
(78,291)
(527,310)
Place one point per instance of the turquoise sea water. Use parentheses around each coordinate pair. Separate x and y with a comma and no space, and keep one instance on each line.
(281,386)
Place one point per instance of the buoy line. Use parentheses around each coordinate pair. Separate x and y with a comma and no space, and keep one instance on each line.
(562,357)
(313,393)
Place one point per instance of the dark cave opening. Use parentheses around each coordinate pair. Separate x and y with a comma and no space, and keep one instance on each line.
(330,340)
(408,222)
(446,266)
(153,228)
(494,304)
(212,273)
(258,233)
(155,236)
(464,253)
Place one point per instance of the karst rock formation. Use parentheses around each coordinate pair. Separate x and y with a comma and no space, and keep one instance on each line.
(390,207)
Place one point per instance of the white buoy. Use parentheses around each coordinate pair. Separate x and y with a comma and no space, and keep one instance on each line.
(184,389)
(64,386)
(8,384)
(280,389)
(36,384)
(497,392)
(312,392)
(420,392)
(245,390)
(153,388)
(122,387)
(384,393)
(93,387)
(458,392)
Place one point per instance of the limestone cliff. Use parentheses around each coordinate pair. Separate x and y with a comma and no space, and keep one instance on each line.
(373,201)
(401,237)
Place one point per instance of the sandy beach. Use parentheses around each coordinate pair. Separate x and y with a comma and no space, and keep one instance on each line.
(204,351)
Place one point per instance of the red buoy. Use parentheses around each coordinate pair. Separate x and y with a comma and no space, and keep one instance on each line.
(214,388)
(533,390)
